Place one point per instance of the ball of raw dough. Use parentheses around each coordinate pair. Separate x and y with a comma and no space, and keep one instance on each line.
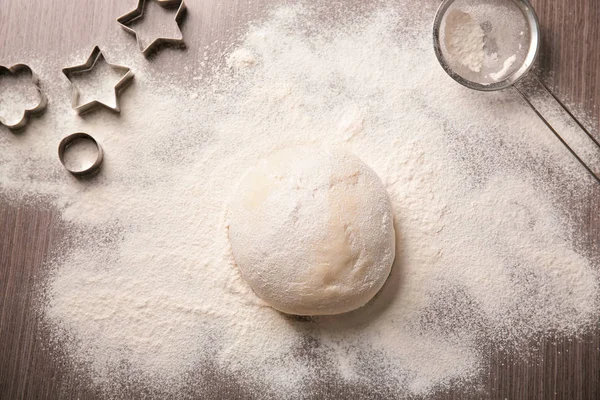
(311,230)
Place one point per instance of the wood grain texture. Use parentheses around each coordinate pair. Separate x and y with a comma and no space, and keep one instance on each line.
(554,368)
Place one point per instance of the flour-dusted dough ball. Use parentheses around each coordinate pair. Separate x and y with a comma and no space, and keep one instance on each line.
(311,230)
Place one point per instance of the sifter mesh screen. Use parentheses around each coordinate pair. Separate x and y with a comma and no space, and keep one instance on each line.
(484,41)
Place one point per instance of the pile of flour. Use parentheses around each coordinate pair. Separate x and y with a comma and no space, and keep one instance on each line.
(488,204)
(464,39)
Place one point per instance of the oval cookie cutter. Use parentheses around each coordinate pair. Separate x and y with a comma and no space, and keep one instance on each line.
(68,141)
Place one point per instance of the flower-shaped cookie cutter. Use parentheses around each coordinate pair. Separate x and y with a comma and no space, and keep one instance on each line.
(132,16)
(87,67)
(41,105)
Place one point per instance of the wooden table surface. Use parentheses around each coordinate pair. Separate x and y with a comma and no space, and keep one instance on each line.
(29,233)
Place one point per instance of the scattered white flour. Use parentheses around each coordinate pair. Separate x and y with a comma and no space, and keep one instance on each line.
(488,204)
(241,58)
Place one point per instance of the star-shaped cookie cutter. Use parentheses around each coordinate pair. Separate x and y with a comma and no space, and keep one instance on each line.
(87,67)
(16,69)
(126,19)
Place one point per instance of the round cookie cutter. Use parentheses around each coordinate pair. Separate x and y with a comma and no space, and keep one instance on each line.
(68,141)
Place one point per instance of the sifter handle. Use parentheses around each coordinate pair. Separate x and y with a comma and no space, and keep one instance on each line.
(577,143)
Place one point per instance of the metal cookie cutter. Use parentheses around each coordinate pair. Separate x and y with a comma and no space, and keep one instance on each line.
(15,70)
(86,68)
(132,16)
(89,158)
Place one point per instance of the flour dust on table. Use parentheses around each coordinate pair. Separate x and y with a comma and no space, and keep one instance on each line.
(147,292)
